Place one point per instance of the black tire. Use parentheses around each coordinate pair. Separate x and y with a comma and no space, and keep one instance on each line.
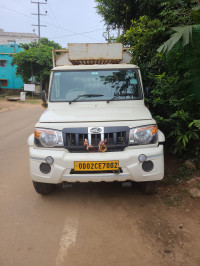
(43,188)
(149,187)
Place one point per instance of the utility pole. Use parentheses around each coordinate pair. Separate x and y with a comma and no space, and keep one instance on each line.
(39,25)
(38,14)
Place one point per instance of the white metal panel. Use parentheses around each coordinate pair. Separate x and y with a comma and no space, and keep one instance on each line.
(95,51)
(86,67)
(29,87)
(63,60)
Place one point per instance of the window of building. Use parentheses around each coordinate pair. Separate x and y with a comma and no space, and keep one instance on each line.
(3,82)
(3,63)
(11,41)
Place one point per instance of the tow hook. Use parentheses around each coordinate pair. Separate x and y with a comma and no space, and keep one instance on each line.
(116,172)
(126,184)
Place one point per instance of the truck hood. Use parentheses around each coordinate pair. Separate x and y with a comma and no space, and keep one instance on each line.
(95,113)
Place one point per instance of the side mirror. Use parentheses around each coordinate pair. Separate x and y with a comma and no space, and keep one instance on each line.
(44,99)
(148,92)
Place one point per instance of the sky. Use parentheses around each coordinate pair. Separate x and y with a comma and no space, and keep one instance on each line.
(67,21)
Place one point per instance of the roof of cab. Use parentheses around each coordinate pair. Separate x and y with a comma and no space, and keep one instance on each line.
(85,67)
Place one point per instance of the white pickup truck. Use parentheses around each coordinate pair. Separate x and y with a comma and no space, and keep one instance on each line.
(96,126)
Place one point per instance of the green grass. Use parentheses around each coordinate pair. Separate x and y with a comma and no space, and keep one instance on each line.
(172,201)
(5,95)
(35,97)
(183,174)
(32,101)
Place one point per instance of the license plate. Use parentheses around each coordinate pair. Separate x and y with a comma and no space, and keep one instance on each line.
(96,166)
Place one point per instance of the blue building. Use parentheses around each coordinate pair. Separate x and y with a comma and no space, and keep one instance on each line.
(8,78)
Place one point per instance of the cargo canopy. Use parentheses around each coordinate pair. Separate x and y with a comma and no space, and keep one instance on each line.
(94,53)
(91,53)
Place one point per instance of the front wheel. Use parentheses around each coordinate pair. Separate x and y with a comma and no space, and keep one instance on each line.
(43,188)
(149,187)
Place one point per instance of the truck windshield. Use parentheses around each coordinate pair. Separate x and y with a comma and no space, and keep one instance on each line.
(104,85)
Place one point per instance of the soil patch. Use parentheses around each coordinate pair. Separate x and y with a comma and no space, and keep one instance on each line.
(12,105)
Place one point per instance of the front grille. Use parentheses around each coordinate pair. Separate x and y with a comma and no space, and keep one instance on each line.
(116,139)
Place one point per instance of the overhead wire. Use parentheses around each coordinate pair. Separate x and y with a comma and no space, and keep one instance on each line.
(55,30)
(19,13)
(64,39)
(59,32)
(73,33)
(55,18)
(77,33)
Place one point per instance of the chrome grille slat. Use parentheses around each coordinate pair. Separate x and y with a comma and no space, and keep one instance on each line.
(117,139)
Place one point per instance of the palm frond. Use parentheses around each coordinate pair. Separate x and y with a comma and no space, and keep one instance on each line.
(183,33)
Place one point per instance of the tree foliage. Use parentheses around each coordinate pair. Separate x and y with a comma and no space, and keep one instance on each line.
(177,12)
(35,62)
(183,33)
(43,41)
(174,70)
(120,13)
(175,107)
(144,36)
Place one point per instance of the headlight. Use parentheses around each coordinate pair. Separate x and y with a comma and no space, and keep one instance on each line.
(48,138)
(143,135)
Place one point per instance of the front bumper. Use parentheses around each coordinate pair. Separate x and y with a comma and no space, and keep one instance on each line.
(128,161)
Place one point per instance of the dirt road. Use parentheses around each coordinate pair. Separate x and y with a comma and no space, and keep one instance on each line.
(87,224)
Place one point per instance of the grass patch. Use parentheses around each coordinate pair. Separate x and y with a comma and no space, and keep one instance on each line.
(29,96)
(5,95)
(33,101)
(169,179)
(35,97)
(172,201)
(183,174)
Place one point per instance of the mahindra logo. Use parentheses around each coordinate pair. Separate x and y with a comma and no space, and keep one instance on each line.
(96,130)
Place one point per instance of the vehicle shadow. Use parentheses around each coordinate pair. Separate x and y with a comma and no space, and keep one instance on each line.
(113,193)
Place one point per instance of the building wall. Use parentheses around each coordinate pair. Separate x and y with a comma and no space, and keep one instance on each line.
(8,72)
(16,37)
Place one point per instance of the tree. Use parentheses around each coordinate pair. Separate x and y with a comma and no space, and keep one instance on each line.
(120,13)
(49,43)
(43,41)
(35,62)
(182,96)
(183,33)
(174,74)
(144,36)
(176,13)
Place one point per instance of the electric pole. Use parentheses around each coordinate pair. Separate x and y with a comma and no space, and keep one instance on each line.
(38,14)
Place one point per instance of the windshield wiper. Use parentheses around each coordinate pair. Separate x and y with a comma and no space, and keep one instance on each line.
(120,95)
(85,96)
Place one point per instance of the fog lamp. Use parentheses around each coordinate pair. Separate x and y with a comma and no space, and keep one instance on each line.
(142,158)
(45,168)
(49,160)
(147,166)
